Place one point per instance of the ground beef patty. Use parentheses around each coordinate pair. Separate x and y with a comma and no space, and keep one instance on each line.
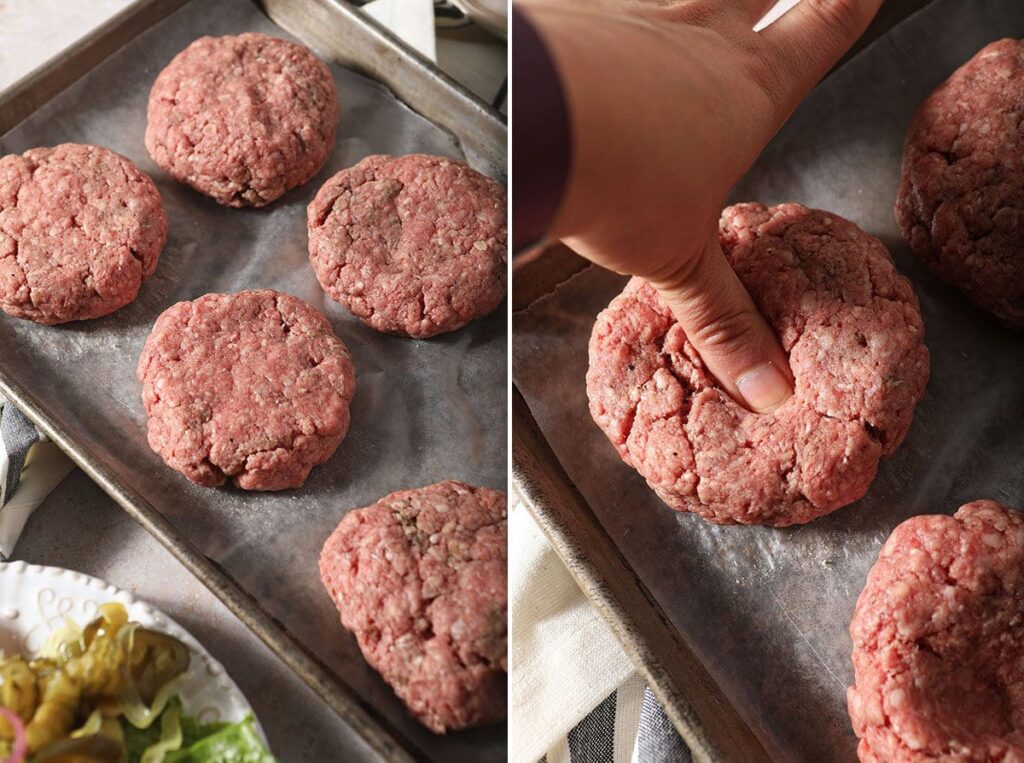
(420,578)
(243,119)
(938,635)
(253,386)
(853,331)
(413,245)
(961,199)
(81,229)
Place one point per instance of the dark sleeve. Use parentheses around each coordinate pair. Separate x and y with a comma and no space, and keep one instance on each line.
(541,147)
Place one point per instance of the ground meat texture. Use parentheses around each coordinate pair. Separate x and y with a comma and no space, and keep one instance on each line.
(413,245)
(420,578)
(938,635)
(243,119)
(961,198)
(853,331)
(81,229)
(253,386)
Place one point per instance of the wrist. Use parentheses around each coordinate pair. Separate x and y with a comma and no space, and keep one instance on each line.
(541,149)
(583,52)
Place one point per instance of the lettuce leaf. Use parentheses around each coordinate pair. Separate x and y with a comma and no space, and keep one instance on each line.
(221,742)
(192,730)
(234,743)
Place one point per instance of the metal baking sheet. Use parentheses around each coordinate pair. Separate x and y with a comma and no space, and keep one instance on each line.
(767,610)
(423,411)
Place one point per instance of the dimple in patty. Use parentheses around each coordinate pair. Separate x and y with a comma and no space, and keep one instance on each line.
(244,118)
(853,331)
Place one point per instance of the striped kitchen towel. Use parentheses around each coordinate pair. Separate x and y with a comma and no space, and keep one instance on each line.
(575,697)
(30,467)
(629,725)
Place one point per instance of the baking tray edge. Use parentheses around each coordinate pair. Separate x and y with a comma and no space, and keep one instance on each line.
(414,79)
(332,689)
(37,87)
(697,707)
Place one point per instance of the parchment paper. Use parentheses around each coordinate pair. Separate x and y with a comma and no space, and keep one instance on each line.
(768,610)
(423,411)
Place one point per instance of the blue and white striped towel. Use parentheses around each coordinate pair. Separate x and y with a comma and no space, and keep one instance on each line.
(575,697)
(30,467)
(629,725)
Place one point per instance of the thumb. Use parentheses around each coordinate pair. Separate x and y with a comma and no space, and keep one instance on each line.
(725,327)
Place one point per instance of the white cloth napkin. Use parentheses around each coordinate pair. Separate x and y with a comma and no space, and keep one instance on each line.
(565,662)
(30,468)
(411,20)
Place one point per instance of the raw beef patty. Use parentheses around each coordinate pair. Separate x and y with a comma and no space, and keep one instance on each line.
(961,198)
(81,229)
(253,386)
(853,331)
(938,636)
(420,578)
(413,245)
(242,119)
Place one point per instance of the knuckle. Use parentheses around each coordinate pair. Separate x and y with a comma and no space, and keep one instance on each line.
(773,77)
(844,17)
(683,12)
(678,276)
(687,272)
(727,333)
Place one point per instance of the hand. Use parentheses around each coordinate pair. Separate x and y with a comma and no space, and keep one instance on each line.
(669,104)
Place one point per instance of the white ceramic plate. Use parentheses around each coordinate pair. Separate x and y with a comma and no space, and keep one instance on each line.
(490,14)
(35,600)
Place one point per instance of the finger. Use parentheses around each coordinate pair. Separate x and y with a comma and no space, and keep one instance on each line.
(730,335)
(809,39)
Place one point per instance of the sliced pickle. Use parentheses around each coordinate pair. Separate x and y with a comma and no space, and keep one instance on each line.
(156,659)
